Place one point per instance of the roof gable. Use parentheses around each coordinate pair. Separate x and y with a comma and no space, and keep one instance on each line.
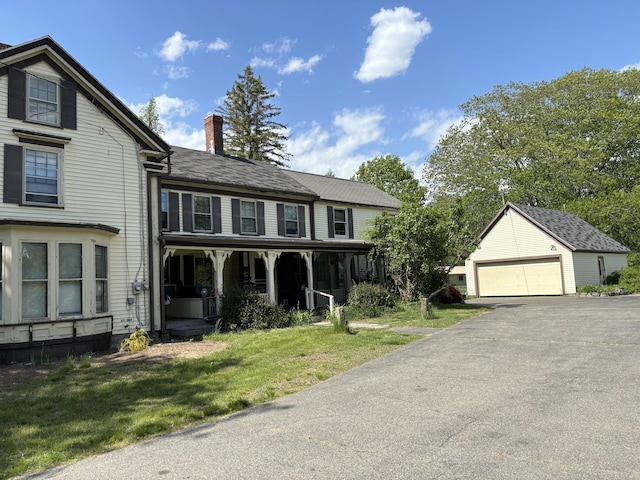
(47,50)
(571,231)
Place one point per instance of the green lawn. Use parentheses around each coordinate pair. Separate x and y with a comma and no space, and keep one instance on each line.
(81,409)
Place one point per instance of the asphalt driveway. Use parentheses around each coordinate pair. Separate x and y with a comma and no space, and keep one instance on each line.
(541,388)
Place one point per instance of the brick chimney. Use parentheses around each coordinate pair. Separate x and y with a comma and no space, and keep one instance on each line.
(213,134)
(4,46)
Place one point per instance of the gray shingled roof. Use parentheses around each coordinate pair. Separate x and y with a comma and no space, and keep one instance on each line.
(574,232)
(228,171)
(334,189)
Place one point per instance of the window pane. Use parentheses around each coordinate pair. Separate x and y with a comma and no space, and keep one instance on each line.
(70,261)
(70,297)
(34,261)
(202,223)
(43,100)
(291,213)
(202,204)
(164,201)
(34,299)
(249,225)
(101,296)
(339,215)
(101,262)
(41,176)
(248,209)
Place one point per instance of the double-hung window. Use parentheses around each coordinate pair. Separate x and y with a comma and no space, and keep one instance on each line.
(43,100)
(249,221)
(102,286)
(291,220)
(201,213)
(340,222)
(41,176)
(35,280)
(70,278)
(164,210)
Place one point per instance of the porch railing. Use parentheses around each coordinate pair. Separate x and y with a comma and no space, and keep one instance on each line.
(320,299)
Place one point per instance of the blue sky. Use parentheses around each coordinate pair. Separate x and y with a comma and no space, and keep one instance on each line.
(353,78)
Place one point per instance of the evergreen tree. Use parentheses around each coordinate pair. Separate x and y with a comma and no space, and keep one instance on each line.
(251,129)
(150,114)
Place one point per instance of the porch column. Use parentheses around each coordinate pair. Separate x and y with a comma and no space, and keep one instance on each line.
(270,258)
(219,257)
(347,273)
(308,259)
(168,252)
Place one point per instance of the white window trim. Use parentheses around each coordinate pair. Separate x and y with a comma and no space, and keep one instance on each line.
(94,304)
(297,220)
(82,280)
(57,103)
(346,223)
(255,217)
(60,180)
(194,213)
(164,193)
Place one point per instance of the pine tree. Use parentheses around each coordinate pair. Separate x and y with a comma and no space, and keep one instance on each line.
(251,130)
(150,114)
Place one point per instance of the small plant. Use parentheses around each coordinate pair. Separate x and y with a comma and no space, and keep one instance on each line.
(243,310)
(138,341)
(299,317)
(368,300)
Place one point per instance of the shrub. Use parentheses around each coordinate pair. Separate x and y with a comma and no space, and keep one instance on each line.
(136,342)
(369,300)
(450,295)
(613,278)
(243,310)
(630,279)
(634,259)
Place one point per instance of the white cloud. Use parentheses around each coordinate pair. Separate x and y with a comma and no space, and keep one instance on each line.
(176,73)
(176,46)
(390,48)
(138,52)
(218,44)
(297,64)
(631,66)
(275,55)
(434,125)
(318,151)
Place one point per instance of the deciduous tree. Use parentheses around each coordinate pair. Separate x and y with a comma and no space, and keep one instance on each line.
(150,114)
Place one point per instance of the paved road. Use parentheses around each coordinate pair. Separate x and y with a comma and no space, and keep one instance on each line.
(541,388)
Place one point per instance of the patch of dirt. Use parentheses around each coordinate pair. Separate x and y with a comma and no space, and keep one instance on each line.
(157,352)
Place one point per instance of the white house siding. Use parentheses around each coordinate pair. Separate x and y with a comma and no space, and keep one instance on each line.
(103,182)
(362,220)
(270,214)
(512,238)
(586,266)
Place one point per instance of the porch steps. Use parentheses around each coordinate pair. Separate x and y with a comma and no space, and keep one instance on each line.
(190,327)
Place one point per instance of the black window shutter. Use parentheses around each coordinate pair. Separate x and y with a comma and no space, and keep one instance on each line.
(187,213)
(17,94)
(261,227)
(235,214)
(350,220)
(332,232)
(216,214)
(301,222)
(174,212)
(280,212)
(68,104)
(12,173)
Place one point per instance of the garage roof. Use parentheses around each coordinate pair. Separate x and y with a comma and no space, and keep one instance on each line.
(573,232)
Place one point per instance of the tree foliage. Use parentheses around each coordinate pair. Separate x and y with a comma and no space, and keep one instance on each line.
(418,247)
(391,175)
(250,118)
(568,143)
(150,114)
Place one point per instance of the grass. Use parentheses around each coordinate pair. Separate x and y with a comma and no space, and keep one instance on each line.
(81,409)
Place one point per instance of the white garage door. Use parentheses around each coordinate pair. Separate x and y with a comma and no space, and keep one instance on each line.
(522,277)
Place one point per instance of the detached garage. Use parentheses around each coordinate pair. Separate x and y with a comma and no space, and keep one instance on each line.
(535,251)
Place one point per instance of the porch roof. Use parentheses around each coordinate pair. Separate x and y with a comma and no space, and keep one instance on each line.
(242,243)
